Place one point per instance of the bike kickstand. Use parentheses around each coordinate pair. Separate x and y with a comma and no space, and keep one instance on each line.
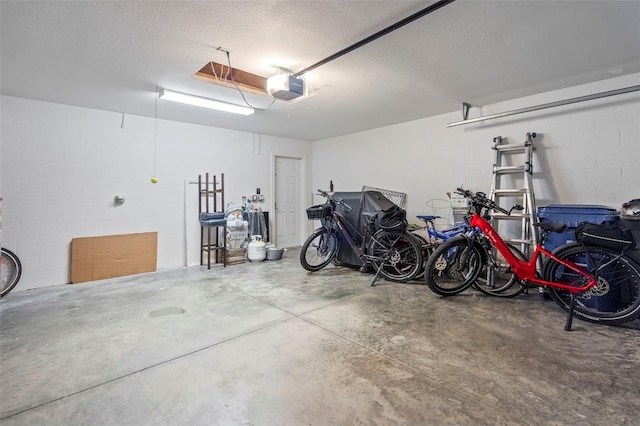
(572,307)
(375,277)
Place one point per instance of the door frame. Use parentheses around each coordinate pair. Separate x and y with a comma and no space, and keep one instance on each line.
(302,215)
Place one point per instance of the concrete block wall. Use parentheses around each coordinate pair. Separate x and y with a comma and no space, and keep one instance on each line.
(62,166)
(586,153)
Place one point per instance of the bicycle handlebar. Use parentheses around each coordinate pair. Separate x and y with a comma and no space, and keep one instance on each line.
(335,200)
(329,196)
(464,192)
(480,199)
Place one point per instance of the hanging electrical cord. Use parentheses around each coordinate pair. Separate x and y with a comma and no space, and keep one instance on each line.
(239,90)
(154,179)
(213,70)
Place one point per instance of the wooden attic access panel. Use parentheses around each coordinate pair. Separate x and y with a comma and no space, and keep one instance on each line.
(96,258)
(216,73)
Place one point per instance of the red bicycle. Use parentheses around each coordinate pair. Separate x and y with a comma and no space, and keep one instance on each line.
(593,282)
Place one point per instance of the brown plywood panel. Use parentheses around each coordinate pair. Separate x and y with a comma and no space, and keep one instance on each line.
(113,256)
(216,73)
(81,259)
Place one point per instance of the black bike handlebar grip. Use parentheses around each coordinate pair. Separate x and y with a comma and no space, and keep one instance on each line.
(464,192)
(500,209)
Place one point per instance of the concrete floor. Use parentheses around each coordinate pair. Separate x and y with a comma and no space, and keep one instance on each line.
(270,344)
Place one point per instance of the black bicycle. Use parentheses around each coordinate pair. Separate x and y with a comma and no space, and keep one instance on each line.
(10,272)
(393,252)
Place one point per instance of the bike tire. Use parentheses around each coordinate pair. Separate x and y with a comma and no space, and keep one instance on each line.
(425,250)
(319,249)
(11,270)
(616,297)
(453,266)
(505,283)
(397,255)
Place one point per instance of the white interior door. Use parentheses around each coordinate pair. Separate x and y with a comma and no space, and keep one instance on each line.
(287,207)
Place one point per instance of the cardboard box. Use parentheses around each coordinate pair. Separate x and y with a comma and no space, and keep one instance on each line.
(96,258)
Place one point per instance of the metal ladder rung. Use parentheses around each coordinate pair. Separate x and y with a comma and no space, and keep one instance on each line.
(518,241)
(508,169)
(509,147)
(512,216)
(510,191)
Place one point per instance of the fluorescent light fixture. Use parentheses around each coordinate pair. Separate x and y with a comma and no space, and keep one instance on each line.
(184,98)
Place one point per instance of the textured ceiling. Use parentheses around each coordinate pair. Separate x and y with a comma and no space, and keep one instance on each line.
(111,55)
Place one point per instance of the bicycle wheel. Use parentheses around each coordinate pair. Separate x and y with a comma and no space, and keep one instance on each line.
(10,272)
(453,267)
(616,297)
(319,250)
(396,254)
(504,282)
(425,250)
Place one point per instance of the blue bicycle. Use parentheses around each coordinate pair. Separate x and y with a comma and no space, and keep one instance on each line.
(434,235)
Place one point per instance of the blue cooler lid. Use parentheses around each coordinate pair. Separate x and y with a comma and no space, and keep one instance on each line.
(573,214)
(578,208)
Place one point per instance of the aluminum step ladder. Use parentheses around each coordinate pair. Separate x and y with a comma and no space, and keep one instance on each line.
(512,184)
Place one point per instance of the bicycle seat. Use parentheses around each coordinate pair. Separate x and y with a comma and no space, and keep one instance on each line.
(552,226)
(426,218)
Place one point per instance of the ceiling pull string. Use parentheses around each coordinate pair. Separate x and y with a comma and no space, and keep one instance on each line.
(427,10)
(154,179)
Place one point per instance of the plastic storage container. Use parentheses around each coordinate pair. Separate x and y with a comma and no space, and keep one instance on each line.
(632,223)
(572,215)
(604,298)
(274,253)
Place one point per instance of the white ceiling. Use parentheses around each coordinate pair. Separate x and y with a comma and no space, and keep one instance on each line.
(111,55)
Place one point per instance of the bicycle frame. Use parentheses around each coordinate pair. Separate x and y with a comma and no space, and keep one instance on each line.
(348,231)
(444,235)
(526,271)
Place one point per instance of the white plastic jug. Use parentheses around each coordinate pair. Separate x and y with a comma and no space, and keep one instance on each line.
(257,250)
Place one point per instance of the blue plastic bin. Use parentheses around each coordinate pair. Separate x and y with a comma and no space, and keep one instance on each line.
(607,302)
(572,215)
